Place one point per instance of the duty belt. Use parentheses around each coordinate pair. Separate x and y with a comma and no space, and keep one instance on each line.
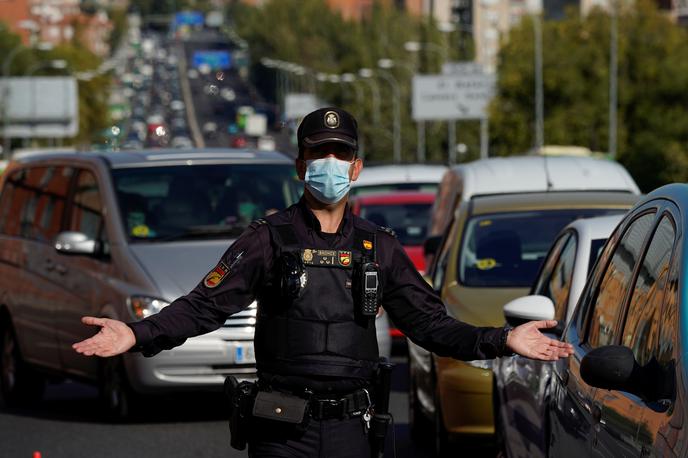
(352,405)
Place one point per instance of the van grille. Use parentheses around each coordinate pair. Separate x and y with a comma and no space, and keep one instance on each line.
(243,319)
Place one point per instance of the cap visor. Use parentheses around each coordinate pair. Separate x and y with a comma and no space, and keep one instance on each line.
(329,137)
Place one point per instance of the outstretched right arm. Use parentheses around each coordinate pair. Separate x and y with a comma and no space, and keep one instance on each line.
(227,289)
(114,337)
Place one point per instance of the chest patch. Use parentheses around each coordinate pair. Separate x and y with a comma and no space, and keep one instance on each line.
(326,258)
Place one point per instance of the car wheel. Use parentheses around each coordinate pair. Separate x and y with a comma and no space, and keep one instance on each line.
(18,383)
(417,420)
(440,433)
(115,392)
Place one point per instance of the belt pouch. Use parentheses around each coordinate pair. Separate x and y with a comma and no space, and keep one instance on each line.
(273,405)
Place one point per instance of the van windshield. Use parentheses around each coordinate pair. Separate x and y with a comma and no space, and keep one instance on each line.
(201,201)
(506,249)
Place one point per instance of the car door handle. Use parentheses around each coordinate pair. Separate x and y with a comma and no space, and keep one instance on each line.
(61,269)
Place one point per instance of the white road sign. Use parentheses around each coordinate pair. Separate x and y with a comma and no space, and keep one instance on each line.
(452,97)
(44,106)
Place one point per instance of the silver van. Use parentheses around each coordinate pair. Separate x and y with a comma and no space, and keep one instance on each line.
(121,235)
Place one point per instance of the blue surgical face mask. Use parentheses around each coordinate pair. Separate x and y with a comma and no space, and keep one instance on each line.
(328,179)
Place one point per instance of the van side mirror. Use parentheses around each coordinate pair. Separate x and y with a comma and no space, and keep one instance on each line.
(70,242)
(528,308)
(432,245)
(613,367)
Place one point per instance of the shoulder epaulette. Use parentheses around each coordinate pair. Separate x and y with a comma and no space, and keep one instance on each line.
(388,230)
(257,223)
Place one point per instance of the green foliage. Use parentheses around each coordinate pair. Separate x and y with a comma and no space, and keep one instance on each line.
(93,94)
(309,33)
(119,26)
(653,90)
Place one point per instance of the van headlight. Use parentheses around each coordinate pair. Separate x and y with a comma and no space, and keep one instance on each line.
(144,306)
(481,363)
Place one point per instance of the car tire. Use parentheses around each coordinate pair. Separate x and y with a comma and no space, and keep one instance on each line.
(19,384)
(441,444)
(418,422)
(115,392)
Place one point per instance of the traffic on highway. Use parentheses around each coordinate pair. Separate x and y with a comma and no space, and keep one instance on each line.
(167,160)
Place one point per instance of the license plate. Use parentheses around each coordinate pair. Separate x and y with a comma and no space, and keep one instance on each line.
(243,353)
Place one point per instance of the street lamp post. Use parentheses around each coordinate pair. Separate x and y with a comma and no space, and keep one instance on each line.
(397,113)
(420,125)
(539,95)
(367,75)
(351,79)
(613,76)
(417,46)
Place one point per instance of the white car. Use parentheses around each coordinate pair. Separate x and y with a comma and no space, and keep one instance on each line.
(521,384)
(399,177)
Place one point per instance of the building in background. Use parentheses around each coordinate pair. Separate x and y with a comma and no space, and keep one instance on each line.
(14,13)
(58,22)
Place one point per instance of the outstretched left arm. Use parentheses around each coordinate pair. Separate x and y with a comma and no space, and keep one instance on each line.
(528,341)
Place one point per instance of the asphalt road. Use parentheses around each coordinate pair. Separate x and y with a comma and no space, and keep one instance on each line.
(212,108)
(69,423)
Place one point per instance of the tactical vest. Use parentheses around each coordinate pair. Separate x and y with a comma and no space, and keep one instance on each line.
(318,330)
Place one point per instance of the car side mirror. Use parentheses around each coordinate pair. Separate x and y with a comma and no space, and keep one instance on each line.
(613,367)
(528,308)
(70,242)
(431,245)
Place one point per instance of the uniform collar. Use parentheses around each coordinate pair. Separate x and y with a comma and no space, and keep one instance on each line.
(312,221)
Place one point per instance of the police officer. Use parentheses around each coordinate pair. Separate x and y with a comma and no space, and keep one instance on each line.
(318,274)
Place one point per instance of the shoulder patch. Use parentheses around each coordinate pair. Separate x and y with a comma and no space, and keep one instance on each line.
(257,223)
(215,277)
(388,230)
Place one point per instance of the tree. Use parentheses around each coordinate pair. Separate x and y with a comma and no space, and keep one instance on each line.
(653,90)
(309,33)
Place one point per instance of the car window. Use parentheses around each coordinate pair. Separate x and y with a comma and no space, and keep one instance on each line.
(409,221)
(559,284)
(615,282)
(541,283)
(33,202)
(442,258)
(86,214)
(10,203)
(642,320)
(596,247)
(506,249)
(669,318)
(217,200)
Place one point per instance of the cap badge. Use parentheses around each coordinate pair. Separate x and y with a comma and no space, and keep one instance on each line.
(331,120)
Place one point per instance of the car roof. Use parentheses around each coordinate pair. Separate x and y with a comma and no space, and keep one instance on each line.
(536,173)
(160,157)
(399,173)
(399,197)
(503,203)
(598,227)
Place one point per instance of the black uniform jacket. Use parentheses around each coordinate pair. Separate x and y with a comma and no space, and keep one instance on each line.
(412,305)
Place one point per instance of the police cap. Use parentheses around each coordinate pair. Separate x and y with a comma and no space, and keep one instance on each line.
(328,125)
